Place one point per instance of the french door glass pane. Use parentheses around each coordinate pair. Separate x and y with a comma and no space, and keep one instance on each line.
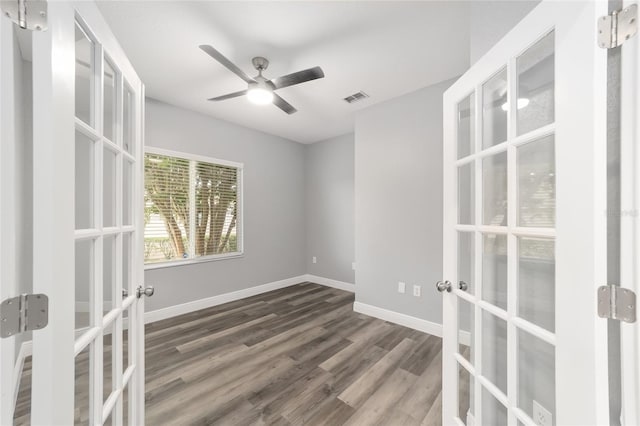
(466,194)
(536,281)
(84,267)
(127,121)
(494,190)
(107,362)
(84,181)
(466,316)
(126,262)
(536,83)
(494,111)
(536,374)
(466,126)
(494,350)
(493,412)
(125,341)
(109,188)
(84,77)
(465,394)
(466,260)
(494,269)
(109,272)
(537,184)
(82,387)
(125,406)
(127,193)
(109,83)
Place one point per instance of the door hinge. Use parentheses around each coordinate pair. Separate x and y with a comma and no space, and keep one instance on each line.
(27,14)
(617,27)
(615,302)
(26,312)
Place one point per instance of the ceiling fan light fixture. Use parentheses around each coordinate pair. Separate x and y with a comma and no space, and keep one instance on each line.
(260,90)
(260,95)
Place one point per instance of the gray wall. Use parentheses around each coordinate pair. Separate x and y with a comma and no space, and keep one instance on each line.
(491,20)
(398,187)
(274,205)
(330,208)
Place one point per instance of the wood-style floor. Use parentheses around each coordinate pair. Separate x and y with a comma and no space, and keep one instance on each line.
(294,356)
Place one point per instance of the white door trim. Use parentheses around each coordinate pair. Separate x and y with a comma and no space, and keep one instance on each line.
(630,228)
(7,212)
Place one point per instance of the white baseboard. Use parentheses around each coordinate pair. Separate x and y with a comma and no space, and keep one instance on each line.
(328,282)
(184,308)
(398,318)
(208,302)
(419,324)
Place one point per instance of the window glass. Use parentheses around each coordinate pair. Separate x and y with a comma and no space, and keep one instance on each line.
(191,209)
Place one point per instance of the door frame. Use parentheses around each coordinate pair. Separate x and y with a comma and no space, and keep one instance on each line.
(53,259)
(630,214)
(581,381)
(8,287)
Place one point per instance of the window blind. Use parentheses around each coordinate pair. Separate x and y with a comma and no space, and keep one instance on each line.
(191,209)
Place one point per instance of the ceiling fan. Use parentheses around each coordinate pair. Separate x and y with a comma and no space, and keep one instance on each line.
(260,90)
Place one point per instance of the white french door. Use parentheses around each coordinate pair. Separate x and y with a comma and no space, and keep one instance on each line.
(87,114)
(525,228)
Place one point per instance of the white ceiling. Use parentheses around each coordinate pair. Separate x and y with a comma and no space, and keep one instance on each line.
(383,48)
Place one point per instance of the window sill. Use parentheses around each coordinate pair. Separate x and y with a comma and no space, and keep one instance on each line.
(204,259)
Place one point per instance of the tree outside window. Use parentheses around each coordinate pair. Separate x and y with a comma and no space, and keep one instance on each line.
(191,208)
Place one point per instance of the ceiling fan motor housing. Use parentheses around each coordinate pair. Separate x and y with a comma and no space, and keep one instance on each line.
(260,63)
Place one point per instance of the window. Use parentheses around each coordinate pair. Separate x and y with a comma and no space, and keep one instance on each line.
(192,207)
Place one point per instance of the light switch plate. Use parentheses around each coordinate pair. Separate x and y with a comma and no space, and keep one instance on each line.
(401,287)
(353,265)
(314,259)
(541,416)
(417,290)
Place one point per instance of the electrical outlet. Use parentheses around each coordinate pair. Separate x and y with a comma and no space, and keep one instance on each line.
(314,259)
(401,287)
(417,290)
(353,265)
(541,416)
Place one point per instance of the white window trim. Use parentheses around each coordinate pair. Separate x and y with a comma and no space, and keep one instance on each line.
(201,259)
(239,220)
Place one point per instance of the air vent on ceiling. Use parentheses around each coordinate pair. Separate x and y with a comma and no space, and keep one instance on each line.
(356,97)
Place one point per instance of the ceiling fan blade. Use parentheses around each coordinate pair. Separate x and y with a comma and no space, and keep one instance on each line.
(229,96)
(283,105)
(227,63)
(297,77)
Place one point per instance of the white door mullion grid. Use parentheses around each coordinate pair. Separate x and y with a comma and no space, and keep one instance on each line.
(105,403)
(512,241)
